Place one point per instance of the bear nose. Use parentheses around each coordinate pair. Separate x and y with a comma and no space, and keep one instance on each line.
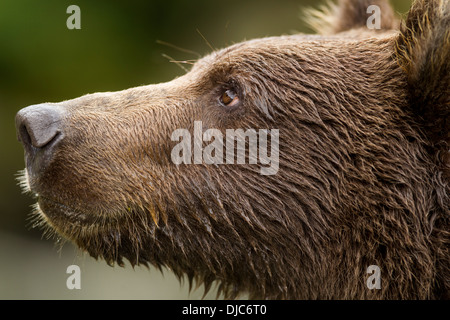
(38,128)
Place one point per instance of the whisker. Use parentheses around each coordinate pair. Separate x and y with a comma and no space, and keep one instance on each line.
(178,63)
(207,42)
(178,48)
(22,179)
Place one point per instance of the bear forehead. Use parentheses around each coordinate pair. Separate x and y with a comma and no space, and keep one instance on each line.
(300,45)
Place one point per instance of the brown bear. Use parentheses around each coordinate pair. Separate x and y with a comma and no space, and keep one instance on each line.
(336,176)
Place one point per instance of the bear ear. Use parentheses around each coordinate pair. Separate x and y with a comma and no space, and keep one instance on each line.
(423,51)
(349,14)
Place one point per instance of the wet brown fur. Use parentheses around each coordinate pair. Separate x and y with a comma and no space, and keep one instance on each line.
(362,180)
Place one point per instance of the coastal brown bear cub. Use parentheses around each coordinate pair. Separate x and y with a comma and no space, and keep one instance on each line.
(353,125)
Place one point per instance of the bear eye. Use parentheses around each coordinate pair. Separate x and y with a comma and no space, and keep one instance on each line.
(229,98)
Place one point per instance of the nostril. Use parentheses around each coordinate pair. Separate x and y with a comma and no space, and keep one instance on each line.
(23,135)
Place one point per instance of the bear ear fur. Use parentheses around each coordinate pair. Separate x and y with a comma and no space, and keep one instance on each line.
(423,51)
(349,14)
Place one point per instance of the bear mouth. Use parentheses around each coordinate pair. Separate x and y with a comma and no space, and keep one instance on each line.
(49,209)
(63,222)
(70,221)
(57,211)
(62,216)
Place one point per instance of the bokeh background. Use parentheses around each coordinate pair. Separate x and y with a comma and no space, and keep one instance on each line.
(120,45)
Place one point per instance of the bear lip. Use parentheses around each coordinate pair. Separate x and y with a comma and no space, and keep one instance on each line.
(62,213)
(68,219)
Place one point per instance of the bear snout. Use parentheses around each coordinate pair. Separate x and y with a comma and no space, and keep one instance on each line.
(39,129)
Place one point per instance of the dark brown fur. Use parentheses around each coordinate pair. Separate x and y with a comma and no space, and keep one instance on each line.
(362,180)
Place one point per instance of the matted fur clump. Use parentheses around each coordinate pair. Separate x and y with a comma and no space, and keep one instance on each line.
(362,175)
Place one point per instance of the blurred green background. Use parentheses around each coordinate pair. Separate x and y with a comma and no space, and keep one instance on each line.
(120,45)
